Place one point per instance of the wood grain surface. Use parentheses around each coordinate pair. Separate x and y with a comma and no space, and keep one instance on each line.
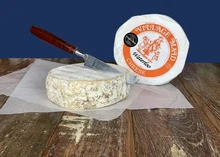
(202,82)
(81,136)
(9,65)
(141,133)
(26,135)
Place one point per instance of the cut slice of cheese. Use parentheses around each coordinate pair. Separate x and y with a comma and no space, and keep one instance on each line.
(78,87)
(154,47)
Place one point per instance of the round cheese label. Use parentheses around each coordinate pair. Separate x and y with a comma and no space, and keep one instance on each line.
(154,47)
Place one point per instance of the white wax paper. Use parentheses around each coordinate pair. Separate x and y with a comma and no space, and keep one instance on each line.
(29,95)
(9,82)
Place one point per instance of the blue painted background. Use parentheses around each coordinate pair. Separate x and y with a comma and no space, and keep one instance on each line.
(91,25)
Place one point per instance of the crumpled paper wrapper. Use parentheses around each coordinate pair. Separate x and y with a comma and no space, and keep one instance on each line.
(27,92)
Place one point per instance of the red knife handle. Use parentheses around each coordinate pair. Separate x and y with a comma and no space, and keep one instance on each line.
(53,40)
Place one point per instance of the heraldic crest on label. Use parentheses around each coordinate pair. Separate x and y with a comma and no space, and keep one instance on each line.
(146,47)
(155,51)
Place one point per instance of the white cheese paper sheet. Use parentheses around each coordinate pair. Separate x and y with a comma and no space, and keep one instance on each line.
(27,92)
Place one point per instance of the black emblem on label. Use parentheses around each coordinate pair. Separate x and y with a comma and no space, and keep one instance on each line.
(130,39)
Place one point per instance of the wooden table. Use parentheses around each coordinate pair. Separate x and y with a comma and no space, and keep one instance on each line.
(142,133)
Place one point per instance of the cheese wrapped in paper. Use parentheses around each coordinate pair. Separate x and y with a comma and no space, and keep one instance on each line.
(153,46)
(78,87)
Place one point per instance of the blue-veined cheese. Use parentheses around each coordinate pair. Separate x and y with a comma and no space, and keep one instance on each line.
(154,47)
(78,87)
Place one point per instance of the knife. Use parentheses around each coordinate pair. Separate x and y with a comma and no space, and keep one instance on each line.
(90,61)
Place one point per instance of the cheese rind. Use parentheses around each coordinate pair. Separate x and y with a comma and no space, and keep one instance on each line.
(77,87)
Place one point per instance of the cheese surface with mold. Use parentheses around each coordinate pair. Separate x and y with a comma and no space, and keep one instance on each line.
(78,87)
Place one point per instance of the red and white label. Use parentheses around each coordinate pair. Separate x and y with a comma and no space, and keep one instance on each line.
(155,53)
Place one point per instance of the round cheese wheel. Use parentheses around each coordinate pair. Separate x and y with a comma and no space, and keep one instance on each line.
(78,87)
(154,47)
